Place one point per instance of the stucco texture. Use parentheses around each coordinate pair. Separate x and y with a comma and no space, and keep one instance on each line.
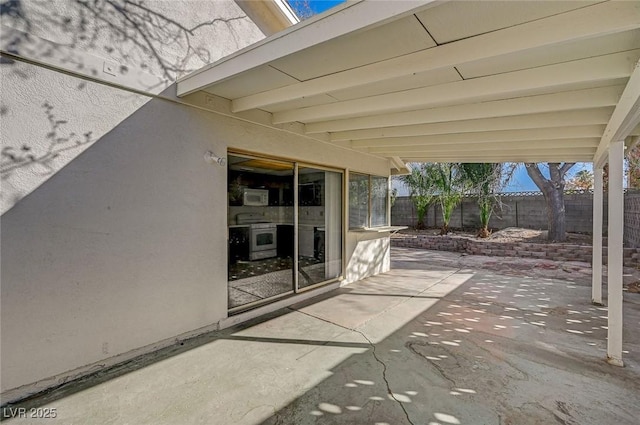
(114,234)
(49,118)
(126,245)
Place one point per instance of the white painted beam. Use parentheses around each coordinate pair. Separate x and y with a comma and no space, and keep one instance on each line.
(615,252)
(397,163)
(556,102)
(458,157)
(270,16)
(520,153)
(596,262)
(350,17)
(597,117)
(601,70)
(589,22)
(533,137)
(482,151)
(625,117)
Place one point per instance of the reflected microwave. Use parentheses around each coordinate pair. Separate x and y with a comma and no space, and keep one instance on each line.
(255,197)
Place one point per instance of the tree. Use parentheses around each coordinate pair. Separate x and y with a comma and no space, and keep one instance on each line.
(553,190)
(449,185)
(421,185)
(583,180)
(483,180)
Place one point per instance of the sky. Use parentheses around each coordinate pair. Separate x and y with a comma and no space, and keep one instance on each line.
(301,7)
(520,182)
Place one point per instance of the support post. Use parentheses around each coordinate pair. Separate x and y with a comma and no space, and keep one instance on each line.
(614,258)
(596,262)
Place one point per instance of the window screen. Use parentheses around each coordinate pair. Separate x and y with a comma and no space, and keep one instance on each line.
(379,199)
(358,200)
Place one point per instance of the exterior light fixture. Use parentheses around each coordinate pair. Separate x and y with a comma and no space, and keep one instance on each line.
(211,158)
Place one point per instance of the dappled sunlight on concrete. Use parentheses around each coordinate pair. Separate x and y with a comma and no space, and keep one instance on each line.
(430,342)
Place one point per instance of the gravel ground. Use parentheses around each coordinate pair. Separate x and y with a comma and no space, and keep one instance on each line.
(510,234)
(566,270)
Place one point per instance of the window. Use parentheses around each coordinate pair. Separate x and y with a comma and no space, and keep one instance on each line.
(368,200)
(379,200)
(358,200)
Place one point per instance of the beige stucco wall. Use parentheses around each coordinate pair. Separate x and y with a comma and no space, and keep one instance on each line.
(146,50)
(119,245)
(368,255)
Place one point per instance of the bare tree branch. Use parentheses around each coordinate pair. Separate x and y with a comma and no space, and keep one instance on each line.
(566,167)
(536,175)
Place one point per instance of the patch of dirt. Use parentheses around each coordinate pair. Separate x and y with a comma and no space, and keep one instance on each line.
(555,311)
(510,234)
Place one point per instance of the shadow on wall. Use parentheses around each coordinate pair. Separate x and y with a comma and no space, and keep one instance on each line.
(58,140)
(369,257)
(149,36)
(119,249)
(148,44)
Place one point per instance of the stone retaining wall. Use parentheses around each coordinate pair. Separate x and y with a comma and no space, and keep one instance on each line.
(556,252)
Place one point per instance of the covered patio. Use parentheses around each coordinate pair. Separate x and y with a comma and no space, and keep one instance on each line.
(107,280)
(439,81)
(435,341)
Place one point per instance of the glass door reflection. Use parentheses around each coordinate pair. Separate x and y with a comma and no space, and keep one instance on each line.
(319,225)
(261,236)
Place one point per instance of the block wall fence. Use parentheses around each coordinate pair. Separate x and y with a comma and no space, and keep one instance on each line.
(632,219)
(526,211)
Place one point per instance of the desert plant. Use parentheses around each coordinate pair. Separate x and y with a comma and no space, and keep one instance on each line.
(483,180)
(421,185)
(449,186)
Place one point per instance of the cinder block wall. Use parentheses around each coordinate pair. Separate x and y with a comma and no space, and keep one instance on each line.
(632,219)
(528,212)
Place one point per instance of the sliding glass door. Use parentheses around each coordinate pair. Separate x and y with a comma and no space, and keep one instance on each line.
(284,229)
(319,225)
(261,230)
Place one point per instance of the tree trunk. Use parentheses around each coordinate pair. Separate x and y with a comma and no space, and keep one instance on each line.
(553,190)
(555,214)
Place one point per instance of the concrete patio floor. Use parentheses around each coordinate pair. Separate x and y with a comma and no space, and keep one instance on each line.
(434,341)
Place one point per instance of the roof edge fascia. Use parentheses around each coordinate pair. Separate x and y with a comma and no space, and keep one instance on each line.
(346,18)
(271,16)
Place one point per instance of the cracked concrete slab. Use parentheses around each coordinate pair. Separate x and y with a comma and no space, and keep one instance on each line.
(441,339)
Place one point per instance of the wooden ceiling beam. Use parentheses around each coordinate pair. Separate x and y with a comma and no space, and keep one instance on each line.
(573,100)
(589,22)
(584,145)
(601,70)
(345,19)
(588,117)
(624,119)
(485,137)
(514,157)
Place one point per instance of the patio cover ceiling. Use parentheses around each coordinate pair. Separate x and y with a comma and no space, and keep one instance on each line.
(434,81)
